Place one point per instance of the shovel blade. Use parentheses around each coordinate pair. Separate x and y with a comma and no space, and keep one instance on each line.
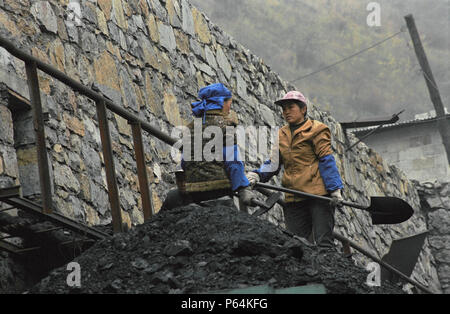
(270,202)
(389,210)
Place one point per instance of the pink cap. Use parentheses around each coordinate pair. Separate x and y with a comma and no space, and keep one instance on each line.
(292,95)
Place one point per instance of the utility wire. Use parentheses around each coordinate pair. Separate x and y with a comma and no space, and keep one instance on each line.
(432,82)
(349,57)
(429,80)
(421,70)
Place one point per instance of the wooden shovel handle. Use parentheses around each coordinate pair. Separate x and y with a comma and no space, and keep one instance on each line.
(308,195)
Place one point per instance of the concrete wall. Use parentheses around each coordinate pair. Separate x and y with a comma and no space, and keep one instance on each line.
(152,57)
(416,149)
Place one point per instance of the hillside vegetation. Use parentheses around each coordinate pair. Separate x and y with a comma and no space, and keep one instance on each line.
(297,37)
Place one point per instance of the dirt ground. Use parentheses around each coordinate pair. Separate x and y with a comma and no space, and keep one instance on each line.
(198,249)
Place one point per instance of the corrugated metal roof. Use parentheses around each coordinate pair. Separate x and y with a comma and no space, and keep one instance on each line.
(419,118)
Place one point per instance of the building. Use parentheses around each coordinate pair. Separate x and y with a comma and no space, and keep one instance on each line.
(414,146)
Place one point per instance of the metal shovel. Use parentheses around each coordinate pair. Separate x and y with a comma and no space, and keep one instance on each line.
(265,207)
(382,209)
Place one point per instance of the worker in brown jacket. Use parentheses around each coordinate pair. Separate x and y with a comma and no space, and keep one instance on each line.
(309,166)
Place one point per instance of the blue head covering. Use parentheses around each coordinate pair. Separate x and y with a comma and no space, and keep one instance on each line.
(212,97)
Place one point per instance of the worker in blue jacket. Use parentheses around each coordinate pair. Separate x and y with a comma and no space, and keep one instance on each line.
(210,178)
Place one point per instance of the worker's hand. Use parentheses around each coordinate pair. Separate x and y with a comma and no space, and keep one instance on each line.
(337,199)
(253,178)
(246,195)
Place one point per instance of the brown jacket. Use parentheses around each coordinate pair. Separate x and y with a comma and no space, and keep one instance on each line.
(300,153)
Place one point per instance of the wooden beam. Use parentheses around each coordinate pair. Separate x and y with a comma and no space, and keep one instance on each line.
(442,124)
(113,192)
(39,128)
(147,206)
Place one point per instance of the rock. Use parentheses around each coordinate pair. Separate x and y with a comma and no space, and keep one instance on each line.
(43,12)
(152,268)
(171,109)
(201,27)
(106,72)
(6,125)
(182,42)
(89,42)
(89,12)
(100,199)
(105,6)
(440,220)
(160,11)
(139,22)
(179,247)
(74,124)
(153,29)
(223,62)
(140,263)
(167,37)
(102,22)
(241,86)
(118,15)
(128,92)
(72,31)
(127,199)
(267,115)
(173,12)
(9,24)
(188,20)
(210,58)
(115,286)
(65,178)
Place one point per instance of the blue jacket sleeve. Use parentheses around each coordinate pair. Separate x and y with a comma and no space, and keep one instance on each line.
(234,168)
(330,174)
(269,169)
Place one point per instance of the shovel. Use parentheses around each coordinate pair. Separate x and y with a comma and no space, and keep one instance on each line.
(265,207)
(382,209)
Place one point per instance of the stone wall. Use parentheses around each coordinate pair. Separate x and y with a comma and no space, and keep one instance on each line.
(435,197)
(8,163)
(151,57)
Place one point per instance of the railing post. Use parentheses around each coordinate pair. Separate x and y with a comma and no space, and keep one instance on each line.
(39,128)
(147,205)
(108,157)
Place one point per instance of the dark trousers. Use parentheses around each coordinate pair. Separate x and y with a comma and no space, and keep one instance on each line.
(311,219)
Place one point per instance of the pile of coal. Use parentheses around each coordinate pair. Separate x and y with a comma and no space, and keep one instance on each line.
(208,248)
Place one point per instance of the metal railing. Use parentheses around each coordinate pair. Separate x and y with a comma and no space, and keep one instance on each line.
(32,64)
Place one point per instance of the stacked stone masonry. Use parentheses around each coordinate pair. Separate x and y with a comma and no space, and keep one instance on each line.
(152,57)
(435,197)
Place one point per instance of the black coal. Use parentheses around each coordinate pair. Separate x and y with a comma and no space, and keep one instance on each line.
(196,249)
